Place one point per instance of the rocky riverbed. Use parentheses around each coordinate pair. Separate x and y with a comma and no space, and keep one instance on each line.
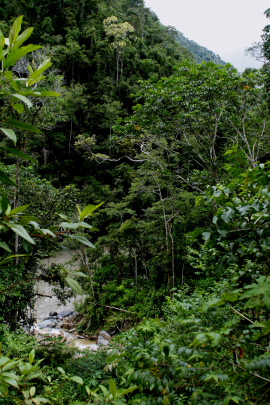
(55,319)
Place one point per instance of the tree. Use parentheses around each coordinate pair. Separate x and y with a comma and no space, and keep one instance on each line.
(19,231)
(120,32)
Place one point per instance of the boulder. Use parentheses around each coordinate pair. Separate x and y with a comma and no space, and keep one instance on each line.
(105,335)
(47,323)
(104,338)
(65,313)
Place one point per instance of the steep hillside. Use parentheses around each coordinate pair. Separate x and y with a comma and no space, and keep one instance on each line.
(200,53)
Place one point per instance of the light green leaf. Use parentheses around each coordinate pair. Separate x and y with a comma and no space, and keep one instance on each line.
(89,210)
(75,225)
(18,54)
(18,107)
(77,379)
(4,246)
(11,381)
(18,209)
(32,391)
(3,360)
(39,400)
(206,235)
(2,40)
(31,356)
(226,216)
(36,73)
(9,133)
(22,38)
(128,390)
(47,93)
(260,290)
(15,29)
(69,225)
(74,285)
(21,231)
(48,232)
(112,387)
(24,99)
(81,239)
(63,216)
(62,371)
(79,274)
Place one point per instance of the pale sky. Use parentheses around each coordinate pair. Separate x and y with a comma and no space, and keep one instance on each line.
(222,26)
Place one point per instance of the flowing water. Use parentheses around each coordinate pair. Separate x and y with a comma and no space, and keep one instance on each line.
(48,302)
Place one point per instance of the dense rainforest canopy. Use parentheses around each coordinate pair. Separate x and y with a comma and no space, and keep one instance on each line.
(148,156)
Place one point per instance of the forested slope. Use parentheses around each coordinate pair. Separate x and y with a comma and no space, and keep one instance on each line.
(124,140)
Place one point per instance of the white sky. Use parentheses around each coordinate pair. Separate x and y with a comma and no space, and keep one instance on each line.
(222,26)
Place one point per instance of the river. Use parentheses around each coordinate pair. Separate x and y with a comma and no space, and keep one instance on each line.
(48,302)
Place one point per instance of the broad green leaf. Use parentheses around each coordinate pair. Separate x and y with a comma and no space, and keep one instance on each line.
(8,366)
(5,179)
(206,236)
(18,54)
(47,93)
(104,390)
(9,133)
(3,360)
(22,38)
(44,66)
(23,125)
(22,98)
(32,391)
(69,225)
(74,285)
(39,400)
(63,216)
(260,290)
(4,246)
(62,371)
(48,232)
(89,211)
(33,82)
(15,29)
(112,387)
(81,239)
(18,107)
(31,356)
(21,231)
(11,381)
(226,216)
(18,209)
(128,390)
(77,379)
(2,42)
(215,302)
(34,224)
(79,274)
(75,225)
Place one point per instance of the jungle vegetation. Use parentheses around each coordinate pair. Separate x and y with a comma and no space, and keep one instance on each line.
(148,156)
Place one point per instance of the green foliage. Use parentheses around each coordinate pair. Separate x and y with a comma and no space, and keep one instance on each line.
(240,232)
